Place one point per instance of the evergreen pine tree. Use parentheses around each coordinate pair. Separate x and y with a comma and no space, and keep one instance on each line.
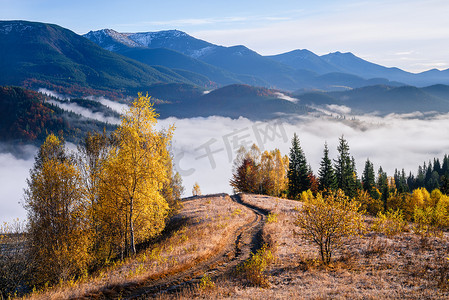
(445,167)
(382,185)
(298,172)
(369,178)
(401,182)
(345,169)
(404,182)
(326,172)
(411,182)
(420,177)
(427,181)
(437,166)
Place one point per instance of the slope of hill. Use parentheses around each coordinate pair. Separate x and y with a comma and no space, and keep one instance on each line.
(348,63)
(305,59)
(232,101)
(384,99)
(176,60)
(351,64)
(38,55)
(241,60)
(45,55)
(27,117)
(199,258)
(438,90)
(112,40)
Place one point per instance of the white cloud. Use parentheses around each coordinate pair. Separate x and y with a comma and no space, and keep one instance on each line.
(51,93)
(85,112)
(115,106)
(341,109)
(395,141)
(285,97)
(13,174)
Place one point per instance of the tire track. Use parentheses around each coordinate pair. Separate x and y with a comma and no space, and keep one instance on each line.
(247,239)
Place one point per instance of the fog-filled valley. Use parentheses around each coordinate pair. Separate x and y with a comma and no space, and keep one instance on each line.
(204,148)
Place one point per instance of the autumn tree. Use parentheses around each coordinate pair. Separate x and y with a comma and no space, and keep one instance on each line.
(273,173)
(134,174)
(92,153)
(267,173)
(58,235)
(245,178)
(326,172)
(298,170)
(327,221)
(196,191)
(372,205)
(280,173)
(255,172)
(245,174)
(172,191)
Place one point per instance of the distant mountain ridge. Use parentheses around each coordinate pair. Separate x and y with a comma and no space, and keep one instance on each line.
(236,64)
(46,55)
(296,69)
(348,63)
(382,99)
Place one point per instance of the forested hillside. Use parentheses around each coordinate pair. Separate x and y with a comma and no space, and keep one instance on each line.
(27,117)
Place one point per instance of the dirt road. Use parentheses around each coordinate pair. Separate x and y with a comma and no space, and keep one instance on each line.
(245,240)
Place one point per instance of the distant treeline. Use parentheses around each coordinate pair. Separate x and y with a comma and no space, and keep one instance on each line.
(292,177)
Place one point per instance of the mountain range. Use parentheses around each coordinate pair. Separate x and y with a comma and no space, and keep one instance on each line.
(298,69)
(45,55)
(190,77)
(226,65)
(108,61)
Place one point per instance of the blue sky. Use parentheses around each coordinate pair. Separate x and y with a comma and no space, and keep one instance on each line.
(413,35)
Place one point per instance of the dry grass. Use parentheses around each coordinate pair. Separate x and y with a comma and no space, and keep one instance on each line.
(205,225)
(373,266)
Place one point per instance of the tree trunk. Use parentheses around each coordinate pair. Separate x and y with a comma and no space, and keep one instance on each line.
(131,227)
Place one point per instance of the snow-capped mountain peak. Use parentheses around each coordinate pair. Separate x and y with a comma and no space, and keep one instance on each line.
(146,38)
(108,39)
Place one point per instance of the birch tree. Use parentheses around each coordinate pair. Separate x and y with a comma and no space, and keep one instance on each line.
(134,175)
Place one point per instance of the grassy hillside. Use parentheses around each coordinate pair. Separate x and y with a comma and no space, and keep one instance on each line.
(372,266)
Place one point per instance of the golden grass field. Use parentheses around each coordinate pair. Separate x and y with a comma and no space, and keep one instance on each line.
(372,266)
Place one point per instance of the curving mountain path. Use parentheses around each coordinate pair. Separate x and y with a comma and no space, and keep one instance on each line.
(246,239)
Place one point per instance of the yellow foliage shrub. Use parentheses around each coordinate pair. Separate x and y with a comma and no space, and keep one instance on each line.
(390,223)
(253,268)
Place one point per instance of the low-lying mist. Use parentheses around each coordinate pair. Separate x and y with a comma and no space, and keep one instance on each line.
(14,169)
(85,112)
(204,148)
